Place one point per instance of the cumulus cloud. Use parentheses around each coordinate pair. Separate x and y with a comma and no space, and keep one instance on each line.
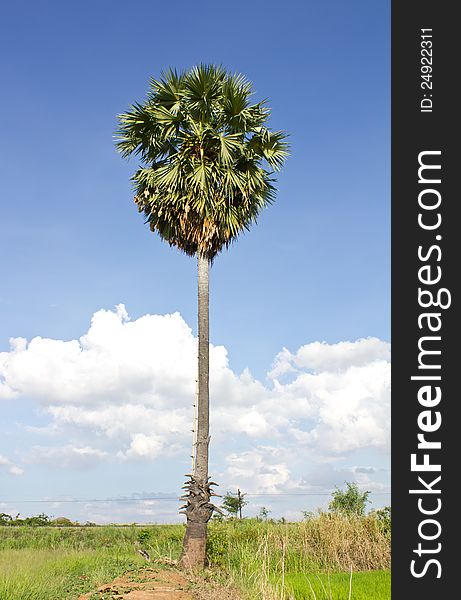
(12,469)
(67,457)
(320,356)
(119,361)
(323,478)
(124,391)
(261,468)
(277,470)
(145,446)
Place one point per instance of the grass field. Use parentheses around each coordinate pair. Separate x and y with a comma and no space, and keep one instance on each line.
(265,561)
(59,574)
(364,585)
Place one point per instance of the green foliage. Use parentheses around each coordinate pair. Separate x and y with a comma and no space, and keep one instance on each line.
(41,520)
(308,514)
(350,502)
(57,575)
(54,563)
(144,536)
(207,157)
(63,522)
(166,539)
(234,503)
(372,585)
(5,519)
(217,545)
(258,556)
(384,518)
(263,514)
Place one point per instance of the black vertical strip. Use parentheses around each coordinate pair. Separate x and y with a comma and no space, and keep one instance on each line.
(414,132)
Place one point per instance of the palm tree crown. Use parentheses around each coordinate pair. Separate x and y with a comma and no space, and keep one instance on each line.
(207,157)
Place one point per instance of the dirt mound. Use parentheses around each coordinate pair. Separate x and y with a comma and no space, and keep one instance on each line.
(150,583)
(145,584)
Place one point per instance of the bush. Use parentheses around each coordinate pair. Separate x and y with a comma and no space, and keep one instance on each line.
(5,519)
(383,516)
(40,520)
(233,503)
(350,502)
(217,544)
(144,536)
(63,522)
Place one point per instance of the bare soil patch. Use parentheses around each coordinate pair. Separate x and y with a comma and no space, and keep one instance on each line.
(155,583)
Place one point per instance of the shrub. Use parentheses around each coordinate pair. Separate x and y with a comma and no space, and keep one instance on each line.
(383,516)
(350,502)
(63,522)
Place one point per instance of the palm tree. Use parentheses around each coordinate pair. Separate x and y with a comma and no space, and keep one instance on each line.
(207,160)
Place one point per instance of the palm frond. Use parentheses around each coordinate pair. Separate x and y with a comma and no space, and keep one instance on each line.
(207,157)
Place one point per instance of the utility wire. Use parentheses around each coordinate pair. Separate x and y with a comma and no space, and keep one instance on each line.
(169,498)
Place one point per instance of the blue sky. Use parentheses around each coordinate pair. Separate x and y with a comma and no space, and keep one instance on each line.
(315,268)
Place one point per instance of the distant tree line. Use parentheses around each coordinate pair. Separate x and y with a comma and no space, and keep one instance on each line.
(348,503)
(41,520)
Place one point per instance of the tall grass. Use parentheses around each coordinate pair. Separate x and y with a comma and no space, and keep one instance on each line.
(37,574)
(327,542)
(85,538)
(266,560)
(51,563)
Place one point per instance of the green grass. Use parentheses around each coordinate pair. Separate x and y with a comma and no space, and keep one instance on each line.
(268,560)
(52,563)
(59,574)
(165,537)
(366,585)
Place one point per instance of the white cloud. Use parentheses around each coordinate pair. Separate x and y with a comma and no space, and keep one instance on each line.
(116,361)
(143,511)
(320,356)
(124,391)
(119,422)
(145,446)
(16,471)
(261,469)
(67,457)
(325,477)
(10,467)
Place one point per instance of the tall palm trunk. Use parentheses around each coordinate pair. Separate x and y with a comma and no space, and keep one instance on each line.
(203,400)
(198,508)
